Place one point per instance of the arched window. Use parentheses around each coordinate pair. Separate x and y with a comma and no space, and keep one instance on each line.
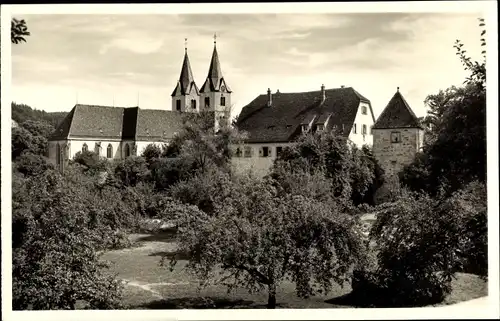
(207,102)
(110,151)
(85,147)
(58,154)
(127,150)
(193,103)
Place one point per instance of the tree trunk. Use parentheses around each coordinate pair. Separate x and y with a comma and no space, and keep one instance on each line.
(271,301)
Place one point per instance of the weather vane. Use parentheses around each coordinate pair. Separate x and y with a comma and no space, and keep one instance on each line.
(185,44)
(215,38)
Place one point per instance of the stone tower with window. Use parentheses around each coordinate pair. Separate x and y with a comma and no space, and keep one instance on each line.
(215,95)
(397,136)
(186,95)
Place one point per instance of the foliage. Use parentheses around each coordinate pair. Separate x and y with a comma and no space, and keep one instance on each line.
(18,31)
(132,170)
(421,242)
(55,260)
(90,161)
(455,152)
(38,128)
(22,113)
(165,172)
(25,142)
(255,239)
(30,164)
(354,173)
(151,152)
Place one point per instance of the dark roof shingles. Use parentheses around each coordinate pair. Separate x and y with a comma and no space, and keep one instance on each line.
(397,114)
(289,110)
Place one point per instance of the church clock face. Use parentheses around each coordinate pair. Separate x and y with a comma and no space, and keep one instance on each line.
(223,88)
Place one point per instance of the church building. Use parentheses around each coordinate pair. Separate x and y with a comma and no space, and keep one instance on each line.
(119,132)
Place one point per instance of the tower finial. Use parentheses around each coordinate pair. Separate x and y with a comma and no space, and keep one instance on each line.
(215,38)
(398,88)
(185,44)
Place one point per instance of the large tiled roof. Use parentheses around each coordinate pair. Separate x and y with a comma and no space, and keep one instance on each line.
(131,123)
(397,114)
(281,122)
(154,125)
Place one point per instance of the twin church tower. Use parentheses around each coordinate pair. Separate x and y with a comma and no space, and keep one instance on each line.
(214,95)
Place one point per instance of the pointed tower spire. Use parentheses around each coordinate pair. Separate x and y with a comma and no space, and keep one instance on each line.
(214,78)
(186,79)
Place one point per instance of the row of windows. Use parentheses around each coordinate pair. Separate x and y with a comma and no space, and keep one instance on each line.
(109,150)
(264,151)
(193,103)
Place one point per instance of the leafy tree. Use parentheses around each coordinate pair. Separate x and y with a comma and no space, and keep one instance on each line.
(90,161)
(30,164)
(38,128)
(55,261)
(354,173)
(151,152)
(23,141)
(255,240)
(165,172)
(455,153)
(132,170)
(18,31)
(421,242)
(22,113)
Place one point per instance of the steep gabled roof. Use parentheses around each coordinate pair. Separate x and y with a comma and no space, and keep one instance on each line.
(397,114)
(133,123)
(186,79)
(281,121)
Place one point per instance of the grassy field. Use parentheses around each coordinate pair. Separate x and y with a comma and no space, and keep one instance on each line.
(151,286)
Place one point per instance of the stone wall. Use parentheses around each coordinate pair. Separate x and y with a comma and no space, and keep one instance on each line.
(392,155)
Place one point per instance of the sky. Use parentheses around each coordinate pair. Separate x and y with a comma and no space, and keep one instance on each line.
(130,60)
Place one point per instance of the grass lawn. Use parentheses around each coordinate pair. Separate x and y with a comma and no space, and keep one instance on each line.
(151,286)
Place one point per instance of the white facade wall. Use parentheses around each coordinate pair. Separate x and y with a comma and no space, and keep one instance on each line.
(256,163)
(186,101)
(368,120)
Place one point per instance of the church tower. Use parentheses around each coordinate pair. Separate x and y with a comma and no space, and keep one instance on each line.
(186,95)
(215,94)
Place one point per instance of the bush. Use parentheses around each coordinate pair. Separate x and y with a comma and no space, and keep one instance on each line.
(421,243)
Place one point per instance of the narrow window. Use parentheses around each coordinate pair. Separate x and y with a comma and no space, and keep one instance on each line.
(178,104)
(265,151)
(395,137)
(364,110)
(354,129)
(279,149)
(238,152)
(207,102)
(58,154)
(110,151)
(193,103)
(223,101)
(371,130)
(127,150)
(248,151)
(364,130)
(85,147)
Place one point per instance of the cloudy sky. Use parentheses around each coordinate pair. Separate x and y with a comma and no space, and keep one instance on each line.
(106,58)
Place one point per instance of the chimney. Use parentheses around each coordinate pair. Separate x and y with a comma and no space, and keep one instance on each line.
(269,98)
(323,93)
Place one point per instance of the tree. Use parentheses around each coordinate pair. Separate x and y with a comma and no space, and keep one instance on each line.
(54,251)
(151,152)
(255,239)
(421,242)
(132,170)
(38,128)
(18,31)
(90,161)
(23,141)
(30,164)
(455,154)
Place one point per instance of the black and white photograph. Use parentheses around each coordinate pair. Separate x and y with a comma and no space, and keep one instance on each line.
(296,160)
